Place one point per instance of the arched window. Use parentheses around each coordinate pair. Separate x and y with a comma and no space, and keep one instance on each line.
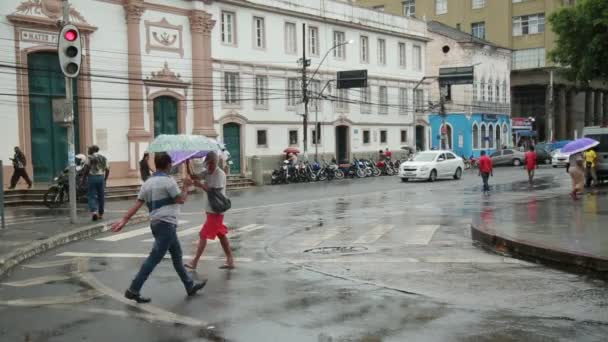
(491,136)
(475,136)
(505,137)
(497,91)
(504,91)
(484,142)
(490,90)
(497,137)
(483,90)
(474,90)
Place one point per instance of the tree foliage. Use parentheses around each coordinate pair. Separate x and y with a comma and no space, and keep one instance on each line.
(582,40)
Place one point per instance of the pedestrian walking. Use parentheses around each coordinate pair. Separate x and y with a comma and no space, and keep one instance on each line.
(215,181)
(162,196)
(96,171)
(19,171)
(144,167)
(531,165)
(485,171)
(590,163)
(577,174)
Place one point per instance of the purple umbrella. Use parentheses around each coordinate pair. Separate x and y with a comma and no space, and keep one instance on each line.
(579,145)
(179,157)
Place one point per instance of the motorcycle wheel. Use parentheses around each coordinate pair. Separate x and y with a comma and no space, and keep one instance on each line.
(390,172)
(376,172)
(339,174)
(361,173)
(52,197)
(322,175)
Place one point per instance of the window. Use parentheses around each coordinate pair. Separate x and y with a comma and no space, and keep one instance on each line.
(478,4)
(417,58)
(261,91)
(450,156)
(491,136)
(340,51)
(497,94)
(290,38)
(402,55)
(382,100)
(403,136)
(316,134)
(403,101)
(313,41)
(259,31)
(504,91)
(341,99)
(379,8)
(231,88)
(507,152)
(490,91)
(383,136)
(497,136)
(293,137)
(381,51)
(366,139)
(496,154)
(314,88)
(364,43)
(228,28)
(409,8)
(419,99)
(529,24)
(441,7)
(293,92)
(474,90)
(261,138)
(528,58)
(475,136)
(366,94)
(483,90)
(458,27)
(484,143)
(479,30)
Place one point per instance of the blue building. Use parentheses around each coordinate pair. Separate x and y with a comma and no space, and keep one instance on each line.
(470,134)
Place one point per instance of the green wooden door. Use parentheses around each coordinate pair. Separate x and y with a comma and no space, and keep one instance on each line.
(232,139)
(49,140)
(165,115)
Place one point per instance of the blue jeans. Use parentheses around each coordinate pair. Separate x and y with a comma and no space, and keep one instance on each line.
(484,177)
(165,238)
(96,194)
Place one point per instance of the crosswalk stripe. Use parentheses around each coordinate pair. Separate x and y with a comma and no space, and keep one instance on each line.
(422,235)
(326,235)
(194,230)
(374,234)
(130,234)
(138,256)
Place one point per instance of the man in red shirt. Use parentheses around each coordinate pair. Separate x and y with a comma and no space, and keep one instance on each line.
(485,171)
(530,158)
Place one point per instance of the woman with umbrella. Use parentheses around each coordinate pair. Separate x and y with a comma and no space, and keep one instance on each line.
(575,165)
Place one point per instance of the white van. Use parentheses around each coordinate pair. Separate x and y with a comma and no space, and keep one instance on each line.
(600,134)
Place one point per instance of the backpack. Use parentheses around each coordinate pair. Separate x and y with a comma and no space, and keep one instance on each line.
(217,201)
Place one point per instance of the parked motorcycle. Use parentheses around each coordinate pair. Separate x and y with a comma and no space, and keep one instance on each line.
(59,191)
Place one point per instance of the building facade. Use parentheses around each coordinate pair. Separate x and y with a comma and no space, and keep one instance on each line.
(559,107)
(227,69)
(478,114)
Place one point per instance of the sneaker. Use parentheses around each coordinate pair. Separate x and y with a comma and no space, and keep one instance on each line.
(195,288)
(136,297)
(95,217)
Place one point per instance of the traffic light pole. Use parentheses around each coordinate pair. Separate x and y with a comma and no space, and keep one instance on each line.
(305,91)
(70,131)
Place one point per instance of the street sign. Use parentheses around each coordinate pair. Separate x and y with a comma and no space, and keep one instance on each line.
(458,75)
(62,111)
(352,79)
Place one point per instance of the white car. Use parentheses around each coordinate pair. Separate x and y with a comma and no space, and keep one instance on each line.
(559,159)
(431,165)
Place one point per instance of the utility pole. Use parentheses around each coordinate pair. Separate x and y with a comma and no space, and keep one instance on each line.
(550,109)
(70,128)
(305,64)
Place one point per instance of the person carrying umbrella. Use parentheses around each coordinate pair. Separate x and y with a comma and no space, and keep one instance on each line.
(575,165)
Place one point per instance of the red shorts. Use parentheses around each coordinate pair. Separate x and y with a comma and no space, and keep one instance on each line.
(214,226)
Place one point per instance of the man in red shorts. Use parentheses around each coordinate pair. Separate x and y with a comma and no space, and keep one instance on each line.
(214,178)
(530,158)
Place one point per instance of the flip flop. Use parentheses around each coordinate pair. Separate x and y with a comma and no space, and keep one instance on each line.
(226,267)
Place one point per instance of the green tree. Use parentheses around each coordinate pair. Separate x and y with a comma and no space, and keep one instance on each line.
(582,40)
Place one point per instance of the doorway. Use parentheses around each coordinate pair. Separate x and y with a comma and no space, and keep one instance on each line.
(342,143)
(232,139)
(165,115)
(48,139)
(420,141)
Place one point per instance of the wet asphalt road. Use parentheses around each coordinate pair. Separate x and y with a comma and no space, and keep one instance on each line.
(362,260)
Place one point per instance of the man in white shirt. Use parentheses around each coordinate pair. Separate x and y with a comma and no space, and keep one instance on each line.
(215,179)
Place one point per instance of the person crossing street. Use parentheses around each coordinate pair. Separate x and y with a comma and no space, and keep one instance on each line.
(531,166)
(485,171)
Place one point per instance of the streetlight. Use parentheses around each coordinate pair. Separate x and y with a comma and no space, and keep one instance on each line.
(305,83)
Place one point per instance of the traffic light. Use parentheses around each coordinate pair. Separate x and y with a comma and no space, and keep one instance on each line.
(69,49)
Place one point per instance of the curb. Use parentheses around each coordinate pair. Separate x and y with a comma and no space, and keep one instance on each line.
(567,260)
(21,254)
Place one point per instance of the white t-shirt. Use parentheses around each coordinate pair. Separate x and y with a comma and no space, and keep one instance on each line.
(215,180)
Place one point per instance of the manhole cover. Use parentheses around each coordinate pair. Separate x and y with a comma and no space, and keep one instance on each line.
(336,250)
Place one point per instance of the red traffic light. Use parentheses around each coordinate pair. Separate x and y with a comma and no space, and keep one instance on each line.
(70,35)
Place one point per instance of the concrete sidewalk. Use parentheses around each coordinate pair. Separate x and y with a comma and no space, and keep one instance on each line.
(557,231)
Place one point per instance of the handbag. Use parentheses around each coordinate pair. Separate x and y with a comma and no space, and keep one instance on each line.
(217,201)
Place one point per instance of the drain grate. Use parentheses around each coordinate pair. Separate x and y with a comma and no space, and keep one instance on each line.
(336,250)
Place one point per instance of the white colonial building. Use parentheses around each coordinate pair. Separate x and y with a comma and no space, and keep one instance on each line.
(223,68)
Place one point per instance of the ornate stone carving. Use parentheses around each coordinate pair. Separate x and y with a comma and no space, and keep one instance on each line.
(164,36)
(52,9)
(166,75)
(201,22)
(134,10)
